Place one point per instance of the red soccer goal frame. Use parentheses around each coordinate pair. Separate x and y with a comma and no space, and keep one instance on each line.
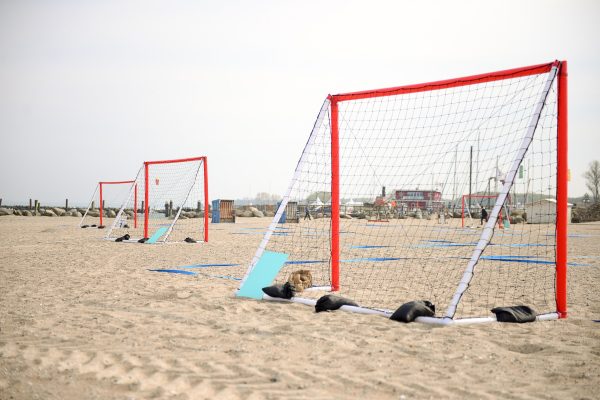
(562,160)
(147,165)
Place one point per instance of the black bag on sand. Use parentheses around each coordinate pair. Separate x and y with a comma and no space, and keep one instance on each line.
(189,240)
(331,302)
(408,312)
(101,226)
(285,291)
(143,240)
(124,237)
(85,226)
(514,314)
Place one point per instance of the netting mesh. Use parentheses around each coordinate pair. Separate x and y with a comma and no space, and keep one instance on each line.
(175,203)
(406,161)
(113,195)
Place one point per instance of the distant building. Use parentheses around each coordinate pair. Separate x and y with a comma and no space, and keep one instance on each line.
(544,212)
(418,199)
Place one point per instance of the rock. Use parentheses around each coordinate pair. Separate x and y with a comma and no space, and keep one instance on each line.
(244,213)
(189,214)
(49,213)
(26,213)
(129,213)
(17,212)
(6,211)
(58,211)
(517,220)
(345,216)
(75,213)
(256,212)
(94,213)
(111,213)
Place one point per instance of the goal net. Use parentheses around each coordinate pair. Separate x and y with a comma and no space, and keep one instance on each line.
(428,144)
(475,209)
(168,202)
(105,203)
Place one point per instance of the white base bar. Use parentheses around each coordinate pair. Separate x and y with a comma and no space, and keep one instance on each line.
(443,321)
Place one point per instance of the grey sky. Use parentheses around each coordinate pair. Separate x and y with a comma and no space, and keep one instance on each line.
(89,90)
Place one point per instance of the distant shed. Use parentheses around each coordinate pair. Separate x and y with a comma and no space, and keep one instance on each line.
(544,211)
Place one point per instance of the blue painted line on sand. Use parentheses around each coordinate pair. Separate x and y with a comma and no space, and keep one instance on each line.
(173,271)
(208,265)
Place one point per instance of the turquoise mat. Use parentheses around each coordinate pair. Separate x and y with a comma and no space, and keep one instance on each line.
(159,232)
(262,275)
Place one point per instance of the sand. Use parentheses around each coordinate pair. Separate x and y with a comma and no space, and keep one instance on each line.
(83,318)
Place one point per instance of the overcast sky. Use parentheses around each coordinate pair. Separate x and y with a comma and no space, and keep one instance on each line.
(89,90)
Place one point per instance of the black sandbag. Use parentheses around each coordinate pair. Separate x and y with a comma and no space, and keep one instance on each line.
(85,226)
(126,226)
(143,240)
(101,227)
(331,302)
(285,291)
(124,237)
(93,225)
(189,240)
(408,312)
(514,314)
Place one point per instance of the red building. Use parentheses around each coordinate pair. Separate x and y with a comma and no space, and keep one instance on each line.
(418,199)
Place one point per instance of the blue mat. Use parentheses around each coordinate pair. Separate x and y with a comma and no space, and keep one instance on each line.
(527,259)
(264,272)
(209,265)
(173,271)
(368,247)
(372,259)
(159,232)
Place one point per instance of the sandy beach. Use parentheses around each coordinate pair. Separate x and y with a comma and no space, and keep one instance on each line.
(84,318)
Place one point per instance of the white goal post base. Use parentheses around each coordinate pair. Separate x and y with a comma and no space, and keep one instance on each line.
(444,321)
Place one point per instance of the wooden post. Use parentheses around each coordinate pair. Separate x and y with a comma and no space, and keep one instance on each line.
(167,209)
(0,202)
(93,207)
(66,204)
(170,208)
(36,206)
(199,206)
(30,205)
